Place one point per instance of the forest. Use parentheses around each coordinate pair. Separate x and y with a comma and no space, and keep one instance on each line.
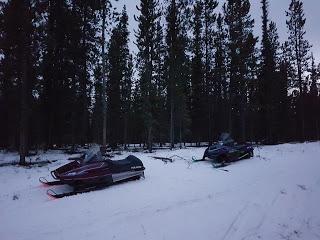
(68,76)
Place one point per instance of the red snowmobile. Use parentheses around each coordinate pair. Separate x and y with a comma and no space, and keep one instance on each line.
(92,172)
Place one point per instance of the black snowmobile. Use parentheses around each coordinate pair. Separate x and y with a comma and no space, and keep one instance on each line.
(92,172)
(226,151)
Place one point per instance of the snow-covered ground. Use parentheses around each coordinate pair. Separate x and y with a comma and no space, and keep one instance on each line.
(275,195)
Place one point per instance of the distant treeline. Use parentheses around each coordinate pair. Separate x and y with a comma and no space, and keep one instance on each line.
(67,75)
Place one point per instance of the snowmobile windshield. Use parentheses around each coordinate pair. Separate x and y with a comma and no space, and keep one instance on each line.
(215,147)
(225,139)
(92,155)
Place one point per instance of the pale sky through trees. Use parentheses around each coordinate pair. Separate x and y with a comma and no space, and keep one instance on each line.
(277,10)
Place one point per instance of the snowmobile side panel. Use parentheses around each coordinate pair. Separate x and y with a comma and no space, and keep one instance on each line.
(126,175)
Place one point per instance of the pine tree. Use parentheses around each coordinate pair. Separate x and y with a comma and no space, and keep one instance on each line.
(284,73)
(178,66)
(119,85)
(98,108)
(197,74)
(147,25)
(268,81)
(86,13)
(220,86)
(18,72)
(274,43)
(276,89)
(55,65)
(105,7)
(299,48)
(24,44)
(105,16)
(314,101)
(209,20)
(126,83)
(160,85)
(241,44)
(2,102)
(126,96)
(9,73)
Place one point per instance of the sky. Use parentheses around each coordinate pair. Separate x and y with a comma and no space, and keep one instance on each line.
(277,10)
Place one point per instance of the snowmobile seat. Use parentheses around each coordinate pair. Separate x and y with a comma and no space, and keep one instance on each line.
(129,163)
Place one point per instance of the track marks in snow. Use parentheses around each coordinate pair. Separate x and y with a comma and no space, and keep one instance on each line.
(143,230)
(183,203)
(233,227)
(302,187)
(318,182)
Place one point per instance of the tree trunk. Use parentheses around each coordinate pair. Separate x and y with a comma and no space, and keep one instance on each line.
(150,139)
(83,83)
(172,120)
(23,149)
(104,100)
(125,131)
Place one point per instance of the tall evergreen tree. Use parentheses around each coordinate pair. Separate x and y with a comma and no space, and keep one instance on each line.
(105,6)
(98,107)
(177,64)
(284,73)
(278,100)
(160,85)
(9,73)
(126,96)
(55,68)
(18,72)
(212,91)
(268,79)
(86,14)
(99,118)
(147,25)
(299,48)
(126,81)
(219,90)
(198,86)
(313,116)
(2,104)
(119,84)
(241,45)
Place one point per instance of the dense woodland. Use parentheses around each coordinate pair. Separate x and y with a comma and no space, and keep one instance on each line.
(67,75)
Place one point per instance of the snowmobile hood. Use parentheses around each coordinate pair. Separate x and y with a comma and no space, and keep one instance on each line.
(88,170)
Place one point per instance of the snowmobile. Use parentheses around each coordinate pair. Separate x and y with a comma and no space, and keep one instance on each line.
(92,172)
(226,151)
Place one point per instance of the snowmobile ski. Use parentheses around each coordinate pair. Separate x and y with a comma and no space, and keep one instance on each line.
(50,183)
(197,160)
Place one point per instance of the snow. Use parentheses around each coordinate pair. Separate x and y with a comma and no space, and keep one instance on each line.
(274,195)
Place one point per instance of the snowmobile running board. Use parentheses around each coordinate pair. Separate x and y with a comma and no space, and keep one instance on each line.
(52,183)
(54,194)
